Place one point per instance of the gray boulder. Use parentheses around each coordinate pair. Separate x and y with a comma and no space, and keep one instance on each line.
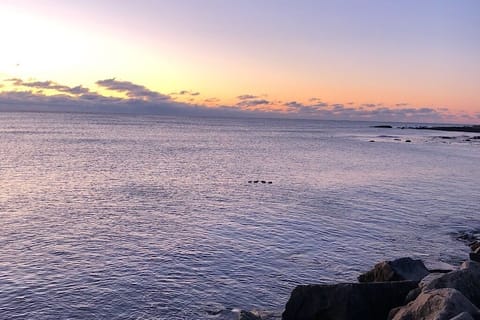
(474,245)
(466,280)
(396,270)
(369,301)
(428,279)
(439,304)
(475,255)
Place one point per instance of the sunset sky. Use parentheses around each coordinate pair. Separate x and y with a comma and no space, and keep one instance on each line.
(372,60)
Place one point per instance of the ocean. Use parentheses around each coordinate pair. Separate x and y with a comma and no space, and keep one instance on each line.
(150,217)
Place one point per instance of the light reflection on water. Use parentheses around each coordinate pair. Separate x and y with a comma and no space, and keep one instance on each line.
(152,218)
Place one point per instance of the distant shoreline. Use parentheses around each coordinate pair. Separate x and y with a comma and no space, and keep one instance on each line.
(472,128)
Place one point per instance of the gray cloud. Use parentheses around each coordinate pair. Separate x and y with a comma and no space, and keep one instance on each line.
(294,105)
(185,93)
(212,100)
(247,97)
(252,103)
(132,90)
(51,85)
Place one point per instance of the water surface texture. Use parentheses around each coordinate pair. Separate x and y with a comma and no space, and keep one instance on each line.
(124,217)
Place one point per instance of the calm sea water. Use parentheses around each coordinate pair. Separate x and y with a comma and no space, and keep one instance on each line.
(124,217)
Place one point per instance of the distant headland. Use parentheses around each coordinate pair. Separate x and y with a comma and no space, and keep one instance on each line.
(472,128)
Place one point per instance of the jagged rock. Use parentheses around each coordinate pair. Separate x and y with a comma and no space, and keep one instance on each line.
(463,316)
(246,315)
(429,278)
(466,280)
(474,256)
(439,304)
(369,301)
(439,267)
(396,270)
(474,245)
(412,295)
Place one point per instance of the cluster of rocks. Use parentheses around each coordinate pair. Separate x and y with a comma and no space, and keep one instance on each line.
(395,139)
(403,289)
(260,181)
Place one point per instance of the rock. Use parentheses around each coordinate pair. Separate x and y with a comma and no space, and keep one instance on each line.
(439,267)
(369,301)
(474,256)
(429,278)
(372,141)
(263,181)
(408,140)
(466,280)
(396,270)
(474,245)
(256,181)
(469,236)
(463,316)
(270,182)
(439,304)
(412,295)
(246,315)
(383,126)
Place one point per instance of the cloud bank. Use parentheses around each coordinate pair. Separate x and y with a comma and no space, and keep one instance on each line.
(127,97)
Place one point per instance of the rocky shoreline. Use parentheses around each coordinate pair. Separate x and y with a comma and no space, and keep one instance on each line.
(472,128)
(402,289)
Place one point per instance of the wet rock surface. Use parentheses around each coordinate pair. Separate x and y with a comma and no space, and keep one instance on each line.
(396,270)
(439,304)
(370,301)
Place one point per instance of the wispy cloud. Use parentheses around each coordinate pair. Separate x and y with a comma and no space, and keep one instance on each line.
(247,97)
(50,85)
(211,100)
(132,90)
(185,93)
(246,104)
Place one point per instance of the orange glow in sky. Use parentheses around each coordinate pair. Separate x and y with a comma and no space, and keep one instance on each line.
(420,55)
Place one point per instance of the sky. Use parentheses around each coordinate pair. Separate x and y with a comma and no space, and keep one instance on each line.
(358,59)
